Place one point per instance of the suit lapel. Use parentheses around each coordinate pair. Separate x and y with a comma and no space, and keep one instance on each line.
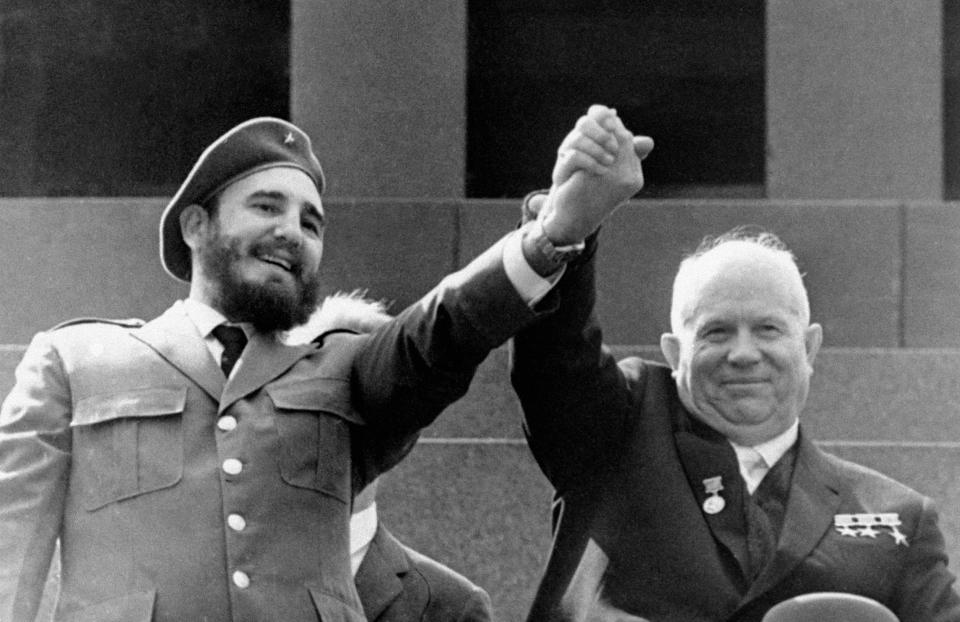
(264,358)
(174,337)
(378,578)
(813,502)
(706,456)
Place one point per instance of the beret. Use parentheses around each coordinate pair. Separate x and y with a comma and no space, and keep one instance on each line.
(252,146)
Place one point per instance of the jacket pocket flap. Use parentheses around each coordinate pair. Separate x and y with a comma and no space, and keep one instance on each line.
(329,395)
(151,402)
(136,607)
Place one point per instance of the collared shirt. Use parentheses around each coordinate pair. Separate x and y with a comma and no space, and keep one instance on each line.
(206,318)
(363,526)
(771,451)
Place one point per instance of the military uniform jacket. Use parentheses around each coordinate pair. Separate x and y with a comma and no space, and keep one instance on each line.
(628,462)
(178,495)
(398,584)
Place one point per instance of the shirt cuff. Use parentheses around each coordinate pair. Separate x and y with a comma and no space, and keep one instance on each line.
(531,286)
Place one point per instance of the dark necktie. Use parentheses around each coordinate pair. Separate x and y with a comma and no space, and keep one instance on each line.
(765,510)
(234,340)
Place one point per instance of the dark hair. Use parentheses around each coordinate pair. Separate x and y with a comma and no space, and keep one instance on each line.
(212,205)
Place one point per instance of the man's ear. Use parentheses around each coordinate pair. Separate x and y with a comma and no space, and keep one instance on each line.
(193,224)
(670,346)
(812,338)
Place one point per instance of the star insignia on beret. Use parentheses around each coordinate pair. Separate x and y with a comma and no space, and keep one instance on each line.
(288,139)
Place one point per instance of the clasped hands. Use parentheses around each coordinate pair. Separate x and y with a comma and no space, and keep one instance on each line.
(598,169)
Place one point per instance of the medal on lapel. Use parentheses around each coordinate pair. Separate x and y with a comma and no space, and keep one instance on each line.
(714,503)
(865,526)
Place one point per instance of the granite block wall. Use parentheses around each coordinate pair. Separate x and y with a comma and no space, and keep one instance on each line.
(879,273)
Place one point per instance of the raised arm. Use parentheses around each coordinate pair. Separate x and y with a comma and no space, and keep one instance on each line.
(574,397)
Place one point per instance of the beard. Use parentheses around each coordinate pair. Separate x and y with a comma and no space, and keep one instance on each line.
(270,306)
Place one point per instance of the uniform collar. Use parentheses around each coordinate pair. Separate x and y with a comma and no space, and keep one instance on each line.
(206,318)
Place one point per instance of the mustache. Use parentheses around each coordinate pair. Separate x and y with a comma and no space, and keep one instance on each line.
(283,248)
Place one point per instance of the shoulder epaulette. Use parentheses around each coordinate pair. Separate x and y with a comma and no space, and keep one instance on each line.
(125,323)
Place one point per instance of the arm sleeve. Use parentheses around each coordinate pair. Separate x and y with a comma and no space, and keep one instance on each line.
(575,398)
(926,592)
(531,286)
(407,371)
(34,468)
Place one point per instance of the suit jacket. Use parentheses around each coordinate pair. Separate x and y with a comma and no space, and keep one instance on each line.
(628,462)
(398,584)
(115,439)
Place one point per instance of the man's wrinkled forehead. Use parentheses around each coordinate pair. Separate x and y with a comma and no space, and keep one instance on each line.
(771,271)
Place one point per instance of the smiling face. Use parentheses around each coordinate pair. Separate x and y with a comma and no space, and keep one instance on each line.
(256,256)
(742,348)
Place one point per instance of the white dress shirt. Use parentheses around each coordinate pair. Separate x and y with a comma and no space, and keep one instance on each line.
(363,526)
(531,286)
(757,460)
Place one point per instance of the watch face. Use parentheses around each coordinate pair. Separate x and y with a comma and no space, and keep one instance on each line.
(556,256)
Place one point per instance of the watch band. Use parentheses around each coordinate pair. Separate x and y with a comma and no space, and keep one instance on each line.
(556,256)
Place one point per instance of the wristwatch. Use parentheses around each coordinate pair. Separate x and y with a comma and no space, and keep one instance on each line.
(556,256)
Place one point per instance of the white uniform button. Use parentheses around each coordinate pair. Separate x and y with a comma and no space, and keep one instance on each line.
(241,580)
(227,423)
(236,522)
(232,466)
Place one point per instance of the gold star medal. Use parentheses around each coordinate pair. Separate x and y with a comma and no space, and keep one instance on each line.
(714,503)
(867,525)
(892,521)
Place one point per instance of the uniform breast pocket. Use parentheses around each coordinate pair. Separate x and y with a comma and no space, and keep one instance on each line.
(313,422)
(127,443)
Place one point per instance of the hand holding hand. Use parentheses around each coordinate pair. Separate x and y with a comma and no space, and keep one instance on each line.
(597,169)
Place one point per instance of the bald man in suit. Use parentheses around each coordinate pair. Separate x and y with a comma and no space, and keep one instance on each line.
(690,491)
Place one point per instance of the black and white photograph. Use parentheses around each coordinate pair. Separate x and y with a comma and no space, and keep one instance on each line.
(479,311)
